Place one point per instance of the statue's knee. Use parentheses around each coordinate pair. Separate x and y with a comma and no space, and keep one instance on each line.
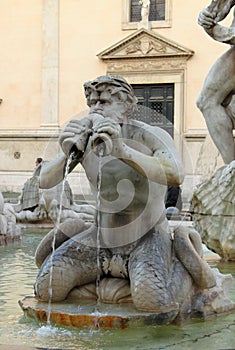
(202,102)
(41,288)
(207,101)
(49,287)
(188,237)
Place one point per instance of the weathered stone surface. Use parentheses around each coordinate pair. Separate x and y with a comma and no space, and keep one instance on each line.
(86,315)
(213,210)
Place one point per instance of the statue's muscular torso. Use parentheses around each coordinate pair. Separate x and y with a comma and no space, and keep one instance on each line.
(125,194)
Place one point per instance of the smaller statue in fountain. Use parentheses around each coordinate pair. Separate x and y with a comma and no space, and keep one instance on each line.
(41,205)
(216,98)
(129,246)
(9,230)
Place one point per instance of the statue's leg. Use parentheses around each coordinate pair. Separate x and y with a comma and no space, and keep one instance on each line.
(218,85)
(74,263)
(59,234)
(188,249)
(150,271)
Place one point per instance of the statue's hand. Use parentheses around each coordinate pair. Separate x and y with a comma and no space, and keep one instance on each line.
(109,126)
(206,19)
(112,129)
(76,133)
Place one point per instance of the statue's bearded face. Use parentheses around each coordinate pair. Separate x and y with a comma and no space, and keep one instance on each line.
(112,105)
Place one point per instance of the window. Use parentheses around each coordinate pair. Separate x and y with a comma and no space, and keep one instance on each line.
(156,13)
(135,11)
(159,14)
(157,10)
(156,105)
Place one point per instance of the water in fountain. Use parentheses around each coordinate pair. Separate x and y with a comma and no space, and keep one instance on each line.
(18,266)
(100,151)
(50,291)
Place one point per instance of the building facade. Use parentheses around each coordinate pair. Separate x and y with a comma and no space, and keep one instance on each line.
(49,48)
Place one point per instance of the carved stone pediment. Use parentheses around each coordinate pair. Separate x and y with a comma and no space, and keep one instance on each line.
(145,44)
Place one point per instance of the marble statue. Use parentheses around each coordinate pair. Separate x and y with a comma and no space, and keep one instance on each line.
(38,205)
(9,230)
(213,209)
(145,8)
(145,5)
(130,248)
(213,205)
(215,100)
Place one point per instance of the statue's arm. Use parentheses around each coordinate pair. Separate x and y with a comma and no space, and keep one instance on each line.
(76,133)
(153,153)
(52,172)
(222,8)
(209,17)
(163,166)
(170,161)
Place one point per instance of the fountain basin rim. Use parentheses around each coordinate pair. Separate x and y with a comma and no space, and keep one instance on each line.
(70,314)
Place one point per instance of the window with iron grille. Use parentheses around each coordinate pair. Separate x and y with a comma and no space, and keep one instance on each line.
(156,12)
(155,105)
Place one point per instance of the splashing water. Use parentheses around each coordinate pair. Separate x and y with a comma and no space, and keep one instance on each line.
(50,291)
(49,331)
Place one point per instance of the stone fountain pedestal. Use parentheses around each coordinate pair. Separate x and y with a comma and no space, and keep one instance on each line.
(213,211)
(89,314)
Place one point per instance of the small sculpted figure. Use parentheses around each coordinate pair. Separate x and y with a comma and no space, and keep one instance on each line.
(145,6)
(129,165)
(216,100)
(8,226)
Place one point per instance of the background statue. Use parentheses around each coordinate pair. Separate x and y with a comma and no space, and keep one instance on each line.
(8,226)
(216,98)
(129,165)
(37,204)
(213,206)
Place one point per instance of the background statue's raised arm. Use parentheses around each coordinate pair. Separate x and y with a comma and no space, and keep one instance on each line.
(209,17)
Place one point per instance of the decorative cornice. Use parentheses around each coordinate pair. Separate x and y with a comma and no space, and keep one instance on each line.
(145,44)
(146,65)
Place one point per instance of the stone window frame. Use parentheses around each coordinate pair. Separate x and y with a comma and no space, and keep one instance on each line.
(127,25)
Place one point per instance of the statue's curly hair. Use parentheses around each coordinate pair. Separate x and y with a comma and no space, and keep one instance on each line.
(116,85)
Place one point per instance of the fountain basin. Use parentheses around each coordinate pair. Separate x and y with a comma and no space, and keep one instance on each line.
(69,313)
